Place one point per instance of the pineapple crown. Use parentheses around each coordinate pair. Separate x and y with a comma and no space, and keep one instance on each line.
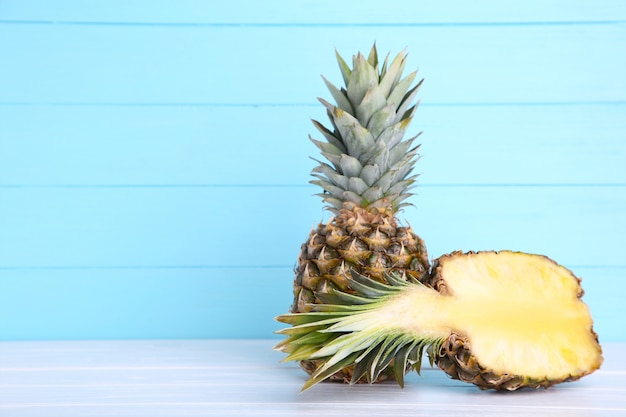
(344,331)
(370,163)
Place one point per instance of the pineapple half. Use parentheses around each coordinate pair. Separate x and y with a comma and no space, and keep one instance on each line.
(500,320)
(364,183)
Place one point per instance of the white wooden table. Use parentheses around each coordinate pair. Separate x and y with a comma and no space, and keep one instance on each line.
(245,378)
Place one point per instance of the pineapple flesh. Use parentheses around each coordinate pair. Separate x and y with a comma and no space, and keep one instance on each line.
(532,330)
(500,320)
(365,180)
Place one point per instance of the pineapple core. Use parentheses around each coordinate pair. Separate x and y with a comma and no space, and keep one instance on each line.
(522,314)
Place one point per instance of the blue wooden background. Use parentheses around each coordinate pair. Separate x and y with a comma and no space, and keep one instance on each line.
(154,160)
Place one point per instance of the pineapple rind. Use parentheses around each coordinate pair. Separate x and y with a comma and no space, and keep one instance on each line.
(370,243)
(358,240)
(457,360)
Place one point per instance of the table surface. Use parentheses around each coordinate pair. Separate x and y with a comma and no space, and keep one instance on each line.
(245,378)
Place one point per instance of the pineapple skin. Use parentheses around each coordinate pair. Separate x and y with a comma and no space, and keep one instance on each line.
(357,240)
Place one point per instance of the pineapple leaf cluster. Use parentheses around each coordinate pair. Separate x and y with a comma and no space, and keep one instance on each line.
(343,330)
(369,163)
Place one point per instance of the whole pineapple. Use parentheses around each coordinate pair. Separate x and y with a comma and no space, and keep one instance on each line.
(365,183)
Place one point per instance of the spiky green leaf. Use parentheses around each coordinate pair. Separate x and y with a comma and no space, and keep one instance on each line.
(399,91)
(332,300)
(381,119)
(322,375)
(353,197)
(362,78)
(334,204)
(357,185)
(340,98)
(356,137)
(346,72)
(386,181)
(328,172)
(399,151)
(372,58)
(327,148)
(370,174)
(391,75)
(329,136)
(373,194)
(403,110)
(393,134)
(331,189)
(350,166)
(373,101)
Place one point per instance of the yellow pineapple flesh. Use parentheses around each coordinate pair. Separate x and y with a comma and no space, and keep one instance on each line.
(518,321)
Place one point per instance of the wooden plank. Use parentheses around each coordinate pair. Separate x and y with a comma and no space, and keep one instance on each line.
(151,226)
(196,145)
(118,201)
(192,303)
(321,11)
(154,145)
(244,378)
(143,303)
(36,356)
(192,64)
(549,220)
(249,226)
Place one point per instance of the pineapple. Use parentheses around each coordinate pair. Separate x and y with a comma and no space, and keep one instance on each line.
(367,304)
(365,181)
(500,320)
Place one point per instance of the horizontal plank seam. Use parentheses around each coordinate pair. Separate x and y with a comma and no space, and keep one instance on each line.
(115,267)
(211,384)
(230,267)
(424,185)
(311,24)
(344,405)
(302,104)
(114,368)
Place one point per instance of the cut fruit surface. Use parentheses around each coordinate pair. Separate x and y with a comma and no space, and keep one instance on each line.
(521,313)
